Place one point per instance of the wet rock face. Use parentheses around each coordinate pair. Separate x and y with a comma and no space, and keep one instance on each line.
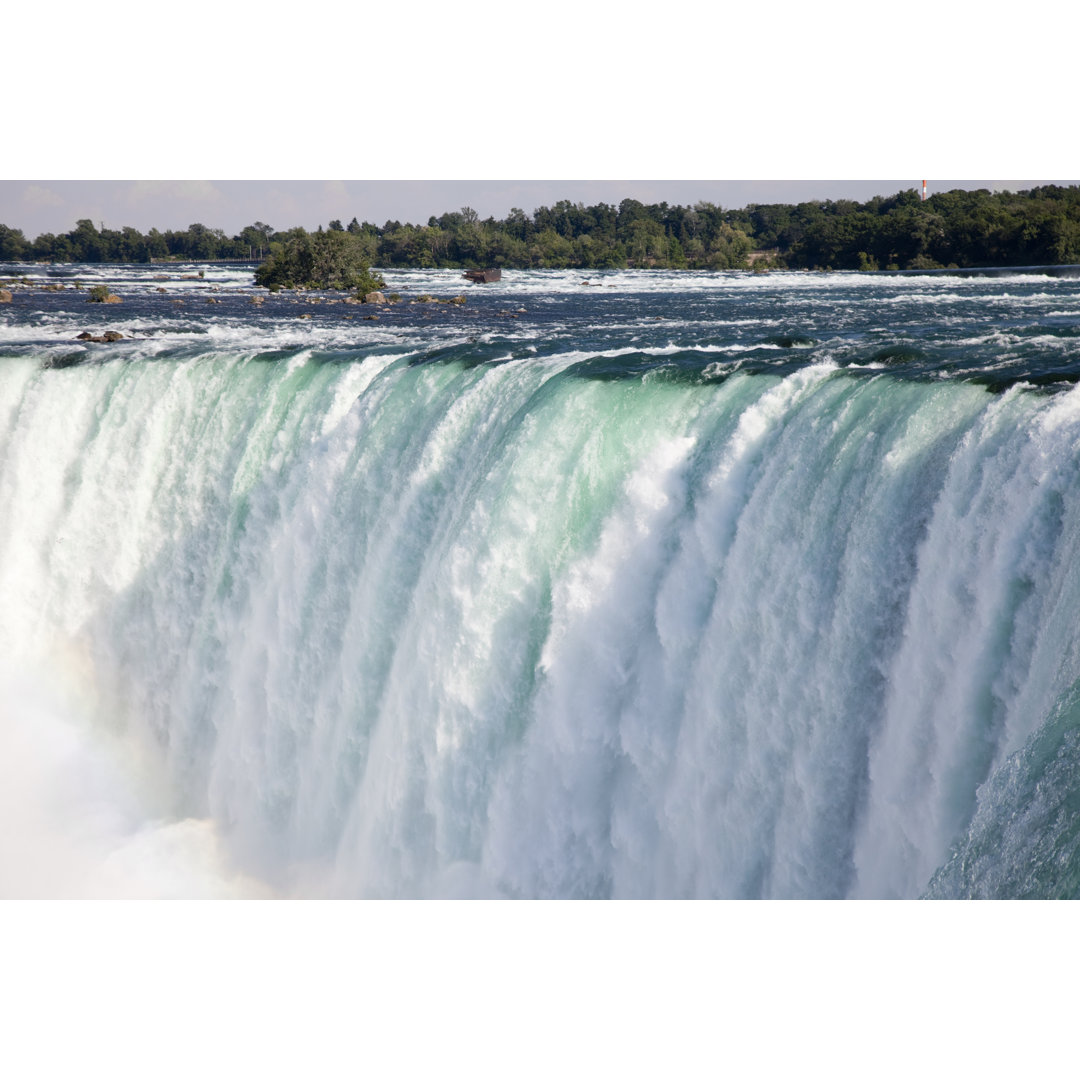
(5,296)
(109,335)
(99,294)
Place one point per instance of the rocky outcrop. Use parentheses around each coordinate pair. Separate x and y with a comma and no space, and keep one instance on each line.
(375,298)
(101,295)
(427,298)
(5,296)
(101,339)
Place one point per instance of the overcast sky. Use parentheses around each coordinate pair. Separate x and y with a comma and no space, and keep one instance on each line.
(796,93)
(54,206)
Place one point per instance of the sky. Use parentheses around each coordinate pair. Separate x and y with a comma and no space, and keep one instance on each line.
(519,107)
(53,206)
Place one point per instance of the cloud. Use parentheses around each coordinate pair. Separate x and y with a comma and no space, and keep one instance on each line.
(190,191)
(279,208)
(35,197)
(335,192)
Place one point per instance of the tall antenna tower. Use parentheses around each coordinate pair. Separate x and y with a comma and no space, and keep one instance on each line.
(924,191)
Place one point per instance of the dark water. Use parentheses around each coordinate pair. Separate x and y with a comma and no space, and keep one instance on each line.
(668,585)
(993,330)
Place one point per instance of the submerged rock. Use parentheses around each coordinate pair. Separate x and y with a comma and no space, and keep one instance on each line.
(63,360)
(790,341)
(109,335)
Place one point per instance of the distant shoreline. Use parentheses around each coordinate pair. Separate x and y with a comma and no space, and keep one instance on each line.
(1057,270)
(1060,270)
(905,231)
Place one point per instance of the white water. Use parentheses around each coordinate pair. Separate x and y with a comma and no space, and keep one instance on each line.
(373,630)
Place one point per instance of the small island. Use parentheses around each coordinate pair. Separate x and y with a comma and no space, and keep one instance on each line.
(332,261)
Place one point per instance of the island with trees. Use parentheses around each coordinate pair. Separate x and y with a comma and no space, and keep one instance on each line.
(950,229)
(334,260)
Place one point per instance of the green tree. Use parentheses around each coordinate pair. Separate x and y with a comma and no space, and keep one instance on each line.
(201,242)
(132,246)
(13,245)
(85,242)
(324,260)
(156,245)
(254,240)
(517,224)
(53,248)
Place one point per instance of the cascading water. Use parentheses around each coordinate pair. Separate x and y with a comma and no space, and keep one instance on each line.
(589,604)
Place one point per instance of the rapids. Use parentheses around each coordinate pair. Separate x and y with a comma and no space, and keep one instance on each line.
(679,586)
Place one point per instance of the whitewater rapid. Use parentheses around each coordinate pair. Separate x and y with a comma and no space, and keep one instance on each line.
(305,626)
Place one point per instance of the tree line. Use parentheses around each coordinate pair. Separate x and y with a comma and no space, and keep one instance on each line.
(87,243)
(900,232)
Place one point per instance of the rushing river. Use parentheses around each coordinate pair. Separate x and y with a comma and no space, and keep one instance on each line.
(659,585)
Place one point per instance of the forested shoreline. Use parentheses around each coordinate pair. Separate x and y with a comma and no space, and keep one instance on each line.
(952,229)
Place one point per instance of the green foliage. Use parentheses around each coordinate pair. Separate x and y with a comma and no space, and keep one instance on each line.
(99,294)
(952,228)
(324,260)
(13,244)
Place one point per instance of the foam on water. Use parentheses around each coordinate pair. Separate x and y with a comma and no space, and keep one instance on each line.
(389,621)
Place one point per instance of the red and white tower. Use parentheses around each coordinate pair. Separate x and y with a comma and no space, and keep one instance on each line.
(924,191)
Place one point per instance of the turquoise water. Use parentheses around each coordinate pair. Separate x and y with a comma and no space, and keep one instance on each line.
(665,586)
